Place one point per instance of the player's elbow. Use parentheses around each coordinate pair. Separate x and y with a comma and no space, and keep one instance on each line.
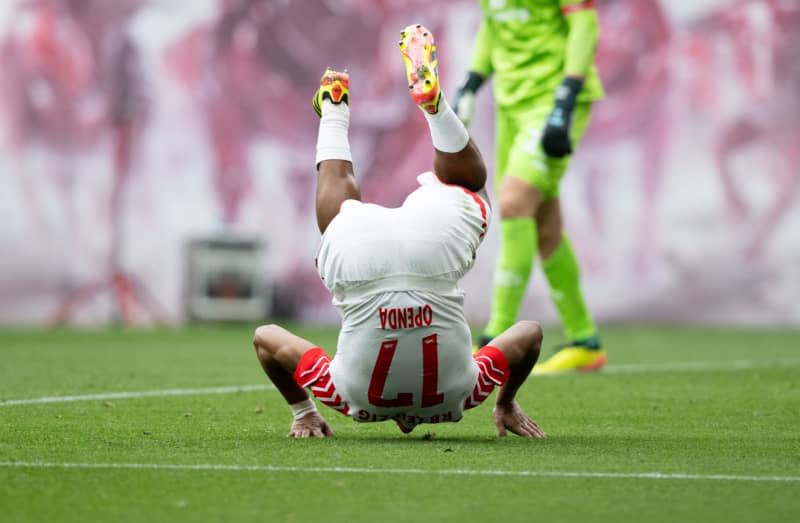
(264,334)
(533,335)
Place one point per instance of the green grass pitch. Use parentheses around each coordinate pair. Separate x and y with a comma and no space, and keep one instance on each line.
(683,425)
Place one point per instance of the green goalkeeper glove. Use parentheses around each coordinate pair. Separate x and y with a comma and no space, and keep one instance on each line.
(555,138)
(464,103)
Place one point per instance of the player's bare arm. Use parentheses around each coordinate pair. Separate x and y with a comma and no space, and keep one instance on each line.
(279,351)
(521,345)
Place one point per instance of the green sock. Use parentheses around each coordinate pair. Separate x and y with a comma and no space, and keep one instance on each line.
(563,274)
(517,251)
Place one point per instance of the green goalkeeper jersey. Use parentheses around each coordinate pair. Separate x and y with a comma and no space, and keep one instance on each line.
(524,44)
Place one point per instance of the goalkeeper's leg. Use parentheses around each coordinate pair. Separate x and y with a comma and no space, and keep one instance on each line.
(583,351)
(518,201)
(562,272)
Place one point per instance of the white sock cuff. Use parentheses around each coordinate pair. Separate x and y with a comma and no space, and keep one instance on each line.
(301,408)
(447,132)
(332,140)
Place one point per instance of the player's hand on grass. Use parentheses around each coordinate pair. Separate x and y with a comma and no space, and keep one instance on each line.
(512,417)
(555,137)
(312,425)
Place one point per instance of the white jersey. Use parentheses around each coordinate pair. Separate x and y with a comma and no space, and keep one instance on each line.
(405,346)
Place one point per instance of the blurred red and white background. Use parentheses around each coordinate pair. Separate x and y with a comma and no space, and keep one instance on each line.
(128,127)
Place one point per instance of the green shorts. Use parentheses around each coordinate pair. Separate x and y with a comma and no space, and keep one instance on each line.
(519,153)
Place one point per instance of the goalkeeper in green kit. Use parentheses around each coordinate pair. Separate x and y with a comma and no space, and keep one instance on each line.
(540,54)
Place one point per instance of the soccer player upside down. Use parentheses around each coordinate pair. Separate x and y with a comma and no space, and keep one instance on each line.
(404,349)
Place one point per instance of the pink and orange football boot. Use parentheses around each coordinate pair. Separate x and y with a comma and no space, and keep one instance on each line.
(422,67)
(333,86)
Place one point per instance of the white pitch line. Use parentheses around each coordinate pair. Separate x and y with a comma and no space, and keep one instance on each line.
(429,472)
(635,368)
(138,394)
(643,368)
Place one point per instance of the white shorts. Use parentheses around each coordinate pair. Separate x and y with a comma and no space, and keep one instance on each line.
(425,399)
